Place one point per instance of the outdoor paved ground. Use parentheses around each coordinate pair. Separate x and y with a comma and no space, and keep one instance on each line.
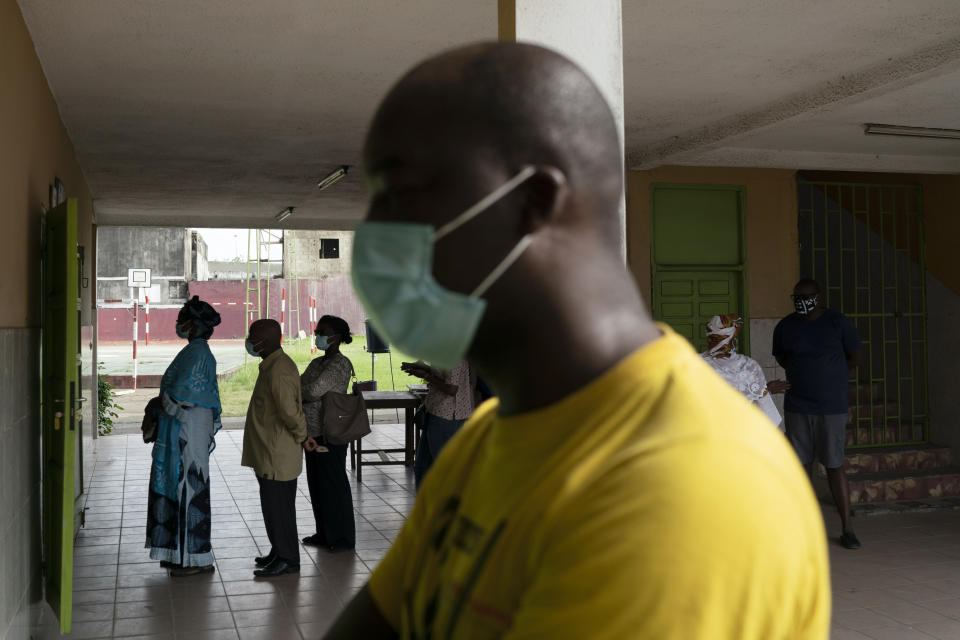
(153,359)
(903,584)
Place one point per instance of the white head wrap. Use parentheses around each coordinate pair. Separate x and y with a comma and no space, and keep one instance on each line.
(715,327)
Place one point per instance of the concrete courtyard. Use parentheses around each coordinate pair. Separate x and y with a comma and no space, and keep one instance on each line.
(153,359)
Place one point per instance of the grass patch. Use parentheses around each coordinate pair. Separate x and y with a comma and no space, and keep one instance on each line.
(235,390)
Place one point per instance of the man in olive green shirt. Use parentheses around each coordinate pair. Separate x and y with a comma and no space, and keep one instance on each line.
(273,436)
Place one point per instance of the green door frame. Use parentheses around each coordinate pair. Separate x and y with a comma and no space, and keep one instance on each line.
(61,409)
(741,268)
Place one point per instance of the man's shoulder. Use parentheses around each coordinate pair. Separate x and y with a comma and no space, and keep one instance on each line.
(283,363)
(837,317)
(788,320)
(787,325)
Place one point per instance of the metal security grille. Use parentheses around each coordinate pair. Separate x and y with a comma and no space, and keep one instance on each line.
(864,244)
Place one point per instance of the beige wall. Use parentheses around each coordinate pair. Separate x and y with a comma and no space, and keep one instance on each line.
(941,219)
(771,220)
(773,255)
(35,148)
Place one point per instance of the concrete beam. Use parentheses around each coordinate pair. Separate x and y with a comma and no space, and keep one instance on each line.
(894,74)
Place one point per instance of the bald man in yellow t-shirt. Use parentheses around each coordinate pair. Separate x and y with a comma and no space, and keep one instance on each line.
(617,488)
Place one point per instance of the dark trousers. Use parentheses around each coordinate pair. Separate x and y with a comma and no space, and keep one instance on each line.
(278,501)
(330,496)
(436,432)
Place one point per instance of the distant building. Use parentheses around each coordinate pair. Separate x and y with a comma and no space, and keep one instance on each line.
(316,254)
(174,255)
(237,270)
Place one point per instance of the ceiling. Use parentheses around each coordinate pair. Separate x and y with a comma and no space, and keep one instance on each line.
(223,112)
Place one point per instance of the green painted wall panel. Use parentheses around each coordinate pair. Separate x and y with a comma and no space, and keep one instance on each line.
(697,226)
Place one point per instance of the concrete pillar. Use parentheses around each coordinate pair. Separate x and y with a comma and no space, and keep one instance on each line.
(590,34)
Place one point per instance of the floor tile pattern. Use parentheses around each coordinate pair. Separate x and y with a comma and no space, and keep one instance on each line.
(904,583)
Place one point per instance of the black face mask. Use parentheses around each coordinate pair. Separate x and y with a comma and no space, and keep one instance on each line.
(804,304)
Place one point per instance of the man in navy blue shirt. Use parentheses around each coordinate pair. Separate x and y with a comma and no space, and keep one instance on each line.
(818,347)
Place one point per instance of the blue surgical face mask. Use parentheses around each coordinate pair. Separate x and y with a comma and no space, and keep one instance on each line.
(182,333)
(250,349)
(322,342)
(393,276)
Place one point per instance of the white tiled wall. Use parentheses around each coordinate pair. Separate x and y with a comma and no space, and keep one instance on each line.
(761,350)
(19,480)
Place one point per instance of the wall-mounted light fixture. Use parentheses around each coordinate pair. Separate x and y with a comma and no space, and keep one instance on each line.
(872,129)
(333,177)
(283,215)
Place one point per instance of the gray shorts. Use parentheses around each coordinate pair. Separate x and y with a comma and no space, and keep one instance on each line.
(817,437)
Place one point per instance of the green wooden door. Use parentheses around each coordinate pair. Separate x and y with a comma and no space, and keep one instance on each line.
(686,300)
(698,258)
(61,406)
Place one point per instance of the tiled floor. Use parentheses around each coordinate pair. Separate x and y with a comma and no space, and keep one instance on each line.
(904,583)
(119,592)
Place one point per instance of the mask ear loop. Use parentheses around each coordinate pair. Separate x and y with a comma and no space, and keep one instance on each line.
(505,264)
(485,203)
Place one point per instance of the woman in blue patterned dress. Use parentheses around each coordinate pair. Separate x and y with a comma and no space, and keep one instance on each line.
(188,417)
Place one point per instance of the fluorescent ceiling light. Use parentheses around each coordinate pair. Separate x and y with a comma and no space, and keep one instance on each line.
(333,177)
(283,215)
(911,132)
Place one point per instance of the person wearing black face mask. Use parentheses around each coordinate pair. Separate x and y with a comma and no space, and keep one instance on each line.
(818,348)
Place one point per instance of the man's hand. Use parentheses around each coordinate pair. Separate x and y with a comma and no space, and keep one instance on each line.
(310,444)
(778,386)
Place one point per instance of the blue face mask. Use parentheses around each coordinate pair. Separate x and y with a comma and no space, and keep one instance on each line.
(322,342)
(393,276)
(182,333)
(250,349)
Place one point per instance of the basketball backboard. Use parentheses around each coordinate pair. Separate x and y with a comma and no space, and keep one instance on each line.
(139,278)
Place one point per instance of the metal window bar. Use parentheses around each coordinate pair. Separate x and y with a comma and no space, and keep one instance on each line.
(877,231)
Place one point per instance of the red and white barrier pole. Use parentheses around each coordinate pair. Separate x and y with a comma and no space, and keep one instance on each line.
(283,311)
(310,323)
(146,320)
(136,321)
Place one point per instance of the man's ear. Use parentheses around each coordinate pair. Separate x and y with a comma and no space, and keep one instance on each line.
(546,194)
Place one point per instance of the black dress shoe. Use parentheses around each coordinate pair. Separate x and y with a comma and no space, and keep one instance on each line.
(277,568)
(262,561)
(849,540)
(316,540)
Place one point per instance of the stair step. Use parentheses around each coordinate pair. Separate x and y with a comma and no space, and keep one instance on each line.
(891,434)
(877,411)
(891,486)
(865,392)
(906,506)
(897,459)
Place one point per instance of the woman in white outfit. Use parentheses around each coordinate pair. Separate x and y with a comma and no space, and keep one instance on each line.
(742,372)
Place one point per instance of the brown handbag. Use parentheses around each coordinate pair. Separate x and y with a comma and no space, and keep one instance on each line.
(344,416)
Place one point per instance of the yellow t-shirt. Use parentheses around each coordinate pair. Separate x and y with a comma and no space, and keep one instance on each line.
(655,502)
